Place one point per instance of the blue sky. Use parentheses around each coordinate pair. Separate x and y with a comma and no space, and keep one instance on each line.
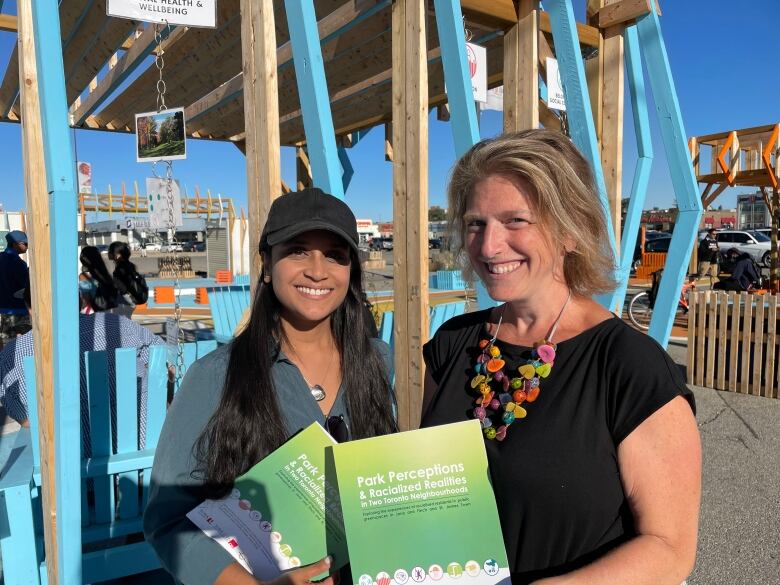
(723,61)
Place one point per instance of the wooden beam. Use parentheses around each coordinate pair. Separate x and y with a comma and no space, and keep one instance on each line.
(8,23)
(261,111)
(389,142)
(129,62)
(622,12)
(612,58)
(521,70)
(410,206)
(302,169)
(9,90)
(588,35)
(37,203)
(501,13)
(329,26)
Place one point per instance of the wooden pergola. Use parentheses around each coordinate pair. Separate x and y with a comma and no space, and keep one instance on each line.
(315,73)
(747,157)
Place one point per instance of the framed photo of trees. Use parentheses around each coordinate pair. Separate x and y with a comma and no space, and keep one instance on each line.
(160,136)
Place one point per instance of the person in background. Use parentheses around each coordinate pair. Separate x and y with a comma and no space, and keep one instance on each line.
(130,284)
(305,356)
(96,286)
(14,276)
(709,255)
(745,276)
(97,332)
(593,448)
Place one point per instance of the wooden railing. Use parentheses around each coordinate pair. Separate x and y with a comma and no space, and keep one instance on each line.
(733,342)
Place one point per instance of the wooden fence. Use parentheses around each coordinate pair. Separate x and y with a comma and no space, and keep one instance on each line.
(651,262)
(733,342)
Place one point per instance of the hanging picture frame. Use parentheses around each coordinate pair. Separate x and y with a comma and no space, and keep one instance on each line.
(195,13)
(160,136)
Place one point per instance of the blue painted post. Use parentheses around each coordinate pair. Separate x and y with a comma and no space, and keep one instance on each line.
(60,180)
(636,86)
(575,90)
(681,171)
(313,94)
(452,40)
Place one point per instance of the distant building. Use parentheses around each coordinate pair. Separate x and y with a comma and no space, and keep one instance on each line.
(367,229)
(661,220)
(718,219)
(752,212)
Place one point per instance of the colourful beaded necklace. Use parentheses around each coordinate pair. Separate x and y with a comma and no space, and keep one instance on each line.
(500,404)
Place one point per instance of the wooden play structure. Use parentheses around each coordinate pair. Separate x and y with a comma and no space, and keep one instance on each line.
(314,74)
(749,157)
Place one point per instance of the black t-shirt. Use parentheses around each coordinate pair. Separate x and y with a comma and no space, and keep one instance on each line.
(555,476)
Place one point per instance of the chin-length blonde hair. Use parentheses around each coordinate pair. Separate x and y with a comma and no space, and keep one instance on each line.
(564,197)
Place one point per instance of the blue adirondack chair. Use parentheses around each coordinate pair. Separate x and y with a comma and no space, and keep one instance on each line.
(228,304)
(438,315)
(119,484)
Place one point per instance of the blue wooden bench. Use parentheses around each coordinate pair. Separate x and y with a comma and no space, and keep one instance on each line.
(114,486)
(228,304)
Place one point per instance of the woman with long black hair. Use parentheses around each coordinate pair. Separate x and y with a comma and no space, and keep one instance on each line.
(96,286)
(304,356)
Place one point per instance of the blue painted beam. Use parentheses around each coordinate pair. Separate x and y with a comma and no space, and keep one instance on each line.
(61,187)
(575,89)
(313,92)
(683,180)
(452,39)
(636,88)
(347,170)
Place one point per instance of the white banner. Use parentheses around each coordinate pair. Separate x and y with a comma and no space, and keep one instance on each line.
(84,174)
(157,200)
(555,100)
(477,58)
(198,13)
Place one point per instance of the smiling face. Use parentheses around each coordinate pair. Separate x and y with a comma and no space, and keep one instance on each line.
(310,276)
(506,244)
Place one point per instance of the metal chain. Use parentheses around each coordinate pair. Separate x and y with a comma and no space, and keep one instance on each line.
(173,245)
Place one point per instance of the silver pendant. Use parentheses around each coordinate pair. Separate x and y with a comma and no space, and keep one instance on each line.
(318,392)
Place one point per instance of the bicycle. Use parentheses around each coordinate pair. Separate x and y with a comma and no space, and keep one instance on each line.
(640,308)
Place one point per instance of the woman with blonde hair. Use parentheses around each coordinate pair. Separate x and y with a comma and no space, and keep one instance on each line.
(593,446)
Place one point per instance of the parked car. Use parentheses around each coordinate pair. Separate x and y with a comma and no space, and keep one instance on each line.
(381,244)
(173,248)
(754,243)
(434,243)
(153,247)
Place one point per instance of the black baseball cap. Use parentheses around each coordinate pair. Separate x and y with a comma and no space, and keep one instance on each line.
(302,211)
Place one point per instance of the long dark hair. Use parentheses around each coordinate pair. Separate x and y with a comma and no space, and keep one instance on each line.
(93,263)
(248,423)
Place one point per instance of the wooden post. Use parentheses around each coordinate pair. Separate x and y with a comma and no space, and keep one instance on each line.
(49,172)
(261,115)
(410,205)
(611,133)
(302,169)
(521,70)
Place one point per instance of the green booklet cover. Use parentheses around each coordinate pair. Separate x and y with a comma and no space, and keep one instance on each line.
(275,519)
(419,508)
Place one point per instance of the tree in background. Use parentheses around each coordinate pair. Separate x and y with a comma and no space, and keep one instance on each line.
(436,213)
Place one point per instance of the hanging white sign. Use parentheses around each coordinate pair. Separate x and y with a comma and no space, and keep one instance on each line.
(198,13)
(495,99)
(555,100)
(477,59)
(160,136)
(84,174)
(161,215)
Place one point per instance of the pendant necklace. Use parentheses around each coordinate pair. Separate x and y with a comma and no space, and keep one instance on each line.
(317,391)
(501,394)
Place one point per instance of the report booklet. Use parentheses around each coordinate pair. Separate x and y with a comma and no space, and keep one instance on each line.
(281,514)
(418,507)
